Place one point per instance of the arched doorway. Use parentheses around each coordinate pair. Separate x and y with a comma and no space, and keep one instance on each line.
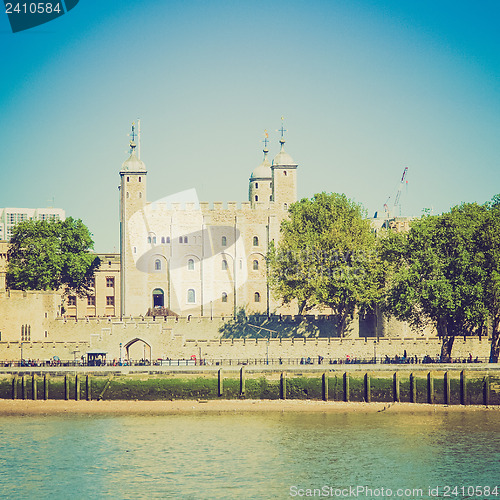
(137,350)
(158,298)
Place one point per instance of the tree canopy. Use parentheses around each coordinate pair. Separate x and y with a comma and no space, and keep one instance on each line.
(442,271)
(326,257)
(49,255)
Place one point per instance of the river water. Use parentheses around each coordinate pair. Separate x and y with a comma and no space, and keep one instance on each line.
(253,455)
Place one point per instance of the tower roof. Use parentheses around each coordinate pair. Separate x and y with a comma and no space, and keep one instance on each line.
(283,158)
(133,164)
(263,171)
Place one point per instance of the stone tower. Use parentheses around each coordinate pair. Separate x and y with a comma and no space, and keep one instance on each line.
(260,187)
(132,199)
(284,179)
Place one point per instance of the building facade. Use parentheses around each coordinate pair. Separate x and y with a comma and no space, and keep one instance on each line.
(193,258)
(9,217)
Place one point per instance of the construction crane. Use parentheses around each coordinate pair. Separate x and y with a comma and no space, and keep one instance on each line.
(397,200)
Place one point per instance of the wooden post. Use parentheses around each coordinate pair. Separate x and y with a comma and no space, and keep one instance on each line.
(33,388)
(486,390)
(430,388)
(242,381)
(346,387)
(395,387)
(463,388)
(45,387)
(447,397)
(283,385)
(413,388)
(368,396)
(220,385)
(14,387)
(23,387)
(325,386)
(88,387)
(66,387)
(77,387)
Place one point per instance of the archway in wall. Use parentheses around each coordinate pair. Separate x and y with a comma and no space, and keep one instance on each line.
(138,349)
(158,298)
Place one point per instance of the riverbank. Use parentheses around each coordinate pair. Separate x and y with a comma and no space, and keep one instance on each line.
(59,407)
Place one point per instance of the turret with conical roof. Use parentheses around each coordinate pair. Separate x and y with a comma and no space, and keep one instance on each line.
(284,176)
(260,189)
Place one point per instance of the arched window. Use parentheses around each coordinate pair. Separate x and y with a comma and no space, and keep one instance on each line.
(154,240)
(256,297)
(224,297)
(157,265)
(140,195)
(139,179)
(149,239)
(256,185)
(163,239)
(256,198)
(224,265)
(224,241)
(285,206)
(191,296)
(180,239)
(255,265)
(185,239)
(128,179)
(190,265)
(255,241)
(284,172)
(168,239)
(128,195)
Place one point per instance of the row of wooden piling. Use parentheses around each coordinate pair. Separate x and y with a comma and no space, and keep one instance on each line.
(46,387)
(367,392)
(396,393)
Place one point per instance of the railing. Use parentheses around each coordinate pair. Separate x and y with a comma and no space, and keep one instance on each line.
(306,361)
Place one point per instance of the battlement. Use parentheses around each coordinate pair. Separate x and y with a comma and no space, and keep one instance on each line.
(216,206)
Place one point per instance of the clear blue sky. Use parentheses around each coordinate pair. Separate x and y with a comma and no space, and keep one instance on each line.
(366,87)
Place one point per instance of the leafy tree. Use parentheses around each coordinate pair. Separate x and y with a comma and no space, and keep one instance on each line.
(48,255)
(437,274)
(326,258)
(489,252)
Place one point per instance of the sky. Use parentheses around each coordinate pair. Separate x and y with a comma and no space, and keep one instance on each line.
(365,88)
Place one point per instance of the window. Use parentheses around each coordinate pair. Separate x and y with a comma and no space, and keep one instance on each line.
(168,239)
(284,172)
(135,249)
(285,206)
(91,300)
(128,179)
(180,239)
(224,297)
(255,241)
(256,198)
(149,239)
(190,265)
(154,240)
(255,265)
(256,185)
(140,179)
(72,300)
(163,239)
(224,241)
(140,195)
(191,296)
(110,282)
(256,297)
(185,239)
(25,333)
(92,283)
(157,265)
(271,197)
(128,195)
(224,265)
(110,301)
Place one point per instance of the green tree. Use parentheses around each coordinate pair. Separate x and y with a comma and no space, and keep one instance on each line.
(326,258)
(489,252)
(437,273)
(49,255)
